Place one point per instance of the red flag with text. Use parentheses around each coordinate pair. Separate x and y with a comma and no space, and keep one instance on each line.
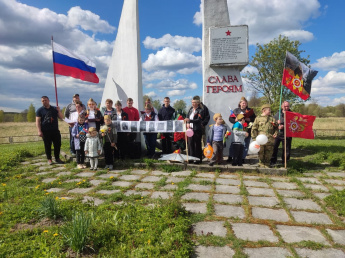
(298,125)
(297,77)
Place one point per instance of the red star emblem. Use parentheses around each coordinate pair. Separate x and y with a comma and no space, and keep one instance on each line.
(228,33)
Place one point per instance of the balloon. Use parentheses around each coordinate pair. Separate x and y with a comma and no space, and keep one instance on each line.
(208,151)
(254,147)
(262,139)
(189,132)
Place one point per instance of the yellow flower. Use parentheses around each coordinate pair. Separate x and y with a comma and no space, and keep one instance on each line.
(149,241)
(111,177)
(141,230)
(63,198)
(172,183)
(45,231)
(84,180)
(142,197)
(57,198)
(0,212)
(47,193)
(3,184)
(59,183)
(38,186)
(239,185)
(56,234)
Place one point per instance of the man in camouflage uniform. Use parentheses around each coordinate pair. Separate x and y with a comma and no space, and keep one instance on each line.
(265,124)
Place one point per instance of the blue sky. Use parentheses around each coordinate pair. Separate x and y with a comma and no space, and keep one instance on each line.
(168,29)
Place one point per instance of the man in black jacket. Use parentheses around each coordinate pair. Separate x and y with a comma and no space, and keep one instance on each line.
(280,138)
(164,114)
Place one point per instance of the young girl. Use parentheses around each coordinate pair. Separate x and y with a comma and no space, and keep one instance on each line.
(109,136)
(215,138)
(79,131)
(93,147)
(238,143)
(150,138)
(93,115)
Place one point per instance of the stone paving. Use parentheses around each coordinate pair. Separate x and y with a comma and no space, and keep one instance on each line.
(276,216)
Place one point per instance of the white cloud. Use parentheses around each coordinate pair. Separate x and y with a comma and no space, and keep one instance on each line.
(176,92)
(301,35)
(157,75)
(185,44)
(173,60)
(198,19)
(151,94)
(88,21)
(334,62)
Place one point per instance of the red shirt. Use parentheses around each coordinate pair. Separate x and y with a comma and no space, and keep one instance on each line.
(133,113)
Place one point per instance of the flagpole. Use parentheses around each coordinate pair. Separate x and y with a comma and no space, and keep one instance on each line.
(56,96)
(281,88)
(285,139)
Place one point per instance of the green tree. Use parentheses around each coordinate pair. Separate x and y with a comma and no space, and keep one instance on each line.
(180,104)
(269,61)
(31,115)
(1,116)
(156,104)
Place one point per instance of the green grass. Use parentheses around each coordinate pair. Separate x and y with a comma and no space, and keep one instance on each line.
(337,202)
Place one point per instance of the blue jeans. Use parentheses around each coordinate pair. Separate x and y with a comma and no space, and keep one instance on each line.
(150,141)
(71,142)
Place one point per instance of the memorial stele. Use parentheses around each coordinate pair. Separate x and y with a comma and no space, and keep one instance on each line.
(224,55)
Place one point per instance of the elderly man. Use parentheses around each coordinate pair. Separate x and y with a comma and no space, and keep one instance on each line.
(280,138)
(71,112)
(48,128)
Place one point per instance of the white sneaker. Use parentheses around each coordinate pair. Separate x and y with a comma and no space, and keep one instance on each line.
(107,166)
(110,167)
(80,166)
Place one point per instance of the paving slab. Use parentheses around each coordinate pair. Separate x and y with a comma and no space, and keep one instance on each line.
(174,179)
(228,198)
(215,228)
(48,180)
(229,211)
(317,187)
(54,190)
(108,192)
(195,207)
(106,176)
(339,188)
(202,179)
(80,190)
(133,192)
(263,201)
(267,252)
(289,193)
(130,177)
(205,175)
(197,187)
(292,234)
(119,170)
(97,182)
(96,201)
(64,173)
(271,214)
(43,173)
(304,204)
(285,185)
(227,189)
(25,163)
(72,180)
(337,235)
(169,187)
(196,196)
(151,179)
(213,251)
(182,173)
(309,217)
(225,181)
(85,174)
(144,186)
(280,179)
(253,177)
(138,172)
(40,164)
(314,174)
(122,184)
(228,176)
(44,168)
(260,191)
(336,174)
(255,183)
(331,253)
(58,168)
(309,180)
(253,232)
(159,173)
(163,195)
(322,195)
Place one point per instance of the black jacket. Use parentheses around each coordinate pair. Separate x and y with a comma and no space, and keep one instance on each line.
(166,113)
(198,118)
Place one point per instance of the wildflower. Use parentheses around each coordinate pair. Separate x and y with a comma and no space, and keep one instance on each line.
(47,193)
(149,241)
(56,198)
(84,180)
(45,231)
(3,184)
(111,177)
(59,183)
(239,185)
(38,186)
(0,212)
(142,197)
(172,183)
(56,234)
(141,230)
(63,198)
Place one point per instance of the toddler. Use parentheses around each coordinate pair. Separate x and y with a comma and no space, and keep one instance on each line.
(93,147)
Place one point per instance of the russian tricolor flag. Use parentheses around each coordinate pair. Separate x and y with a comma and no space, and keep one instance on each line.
(77,66)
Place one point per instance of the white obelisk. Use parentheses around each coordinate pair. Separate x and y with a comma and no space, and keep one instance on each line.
(225,53)
(124,79)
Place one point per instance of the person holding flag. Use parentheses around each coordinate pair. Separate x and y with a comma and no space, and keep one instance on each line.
(279,117)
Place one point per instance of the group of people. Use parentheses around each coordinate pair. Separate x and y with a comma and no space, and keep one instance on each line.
(92,131)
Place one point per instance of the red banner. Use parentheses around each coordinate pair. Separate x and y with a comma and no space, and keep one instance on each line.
(298,125)
(297,77)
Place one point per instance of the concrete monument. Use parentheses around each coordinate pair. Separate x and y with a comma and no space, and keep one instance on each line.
(225,54)
(124,77)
